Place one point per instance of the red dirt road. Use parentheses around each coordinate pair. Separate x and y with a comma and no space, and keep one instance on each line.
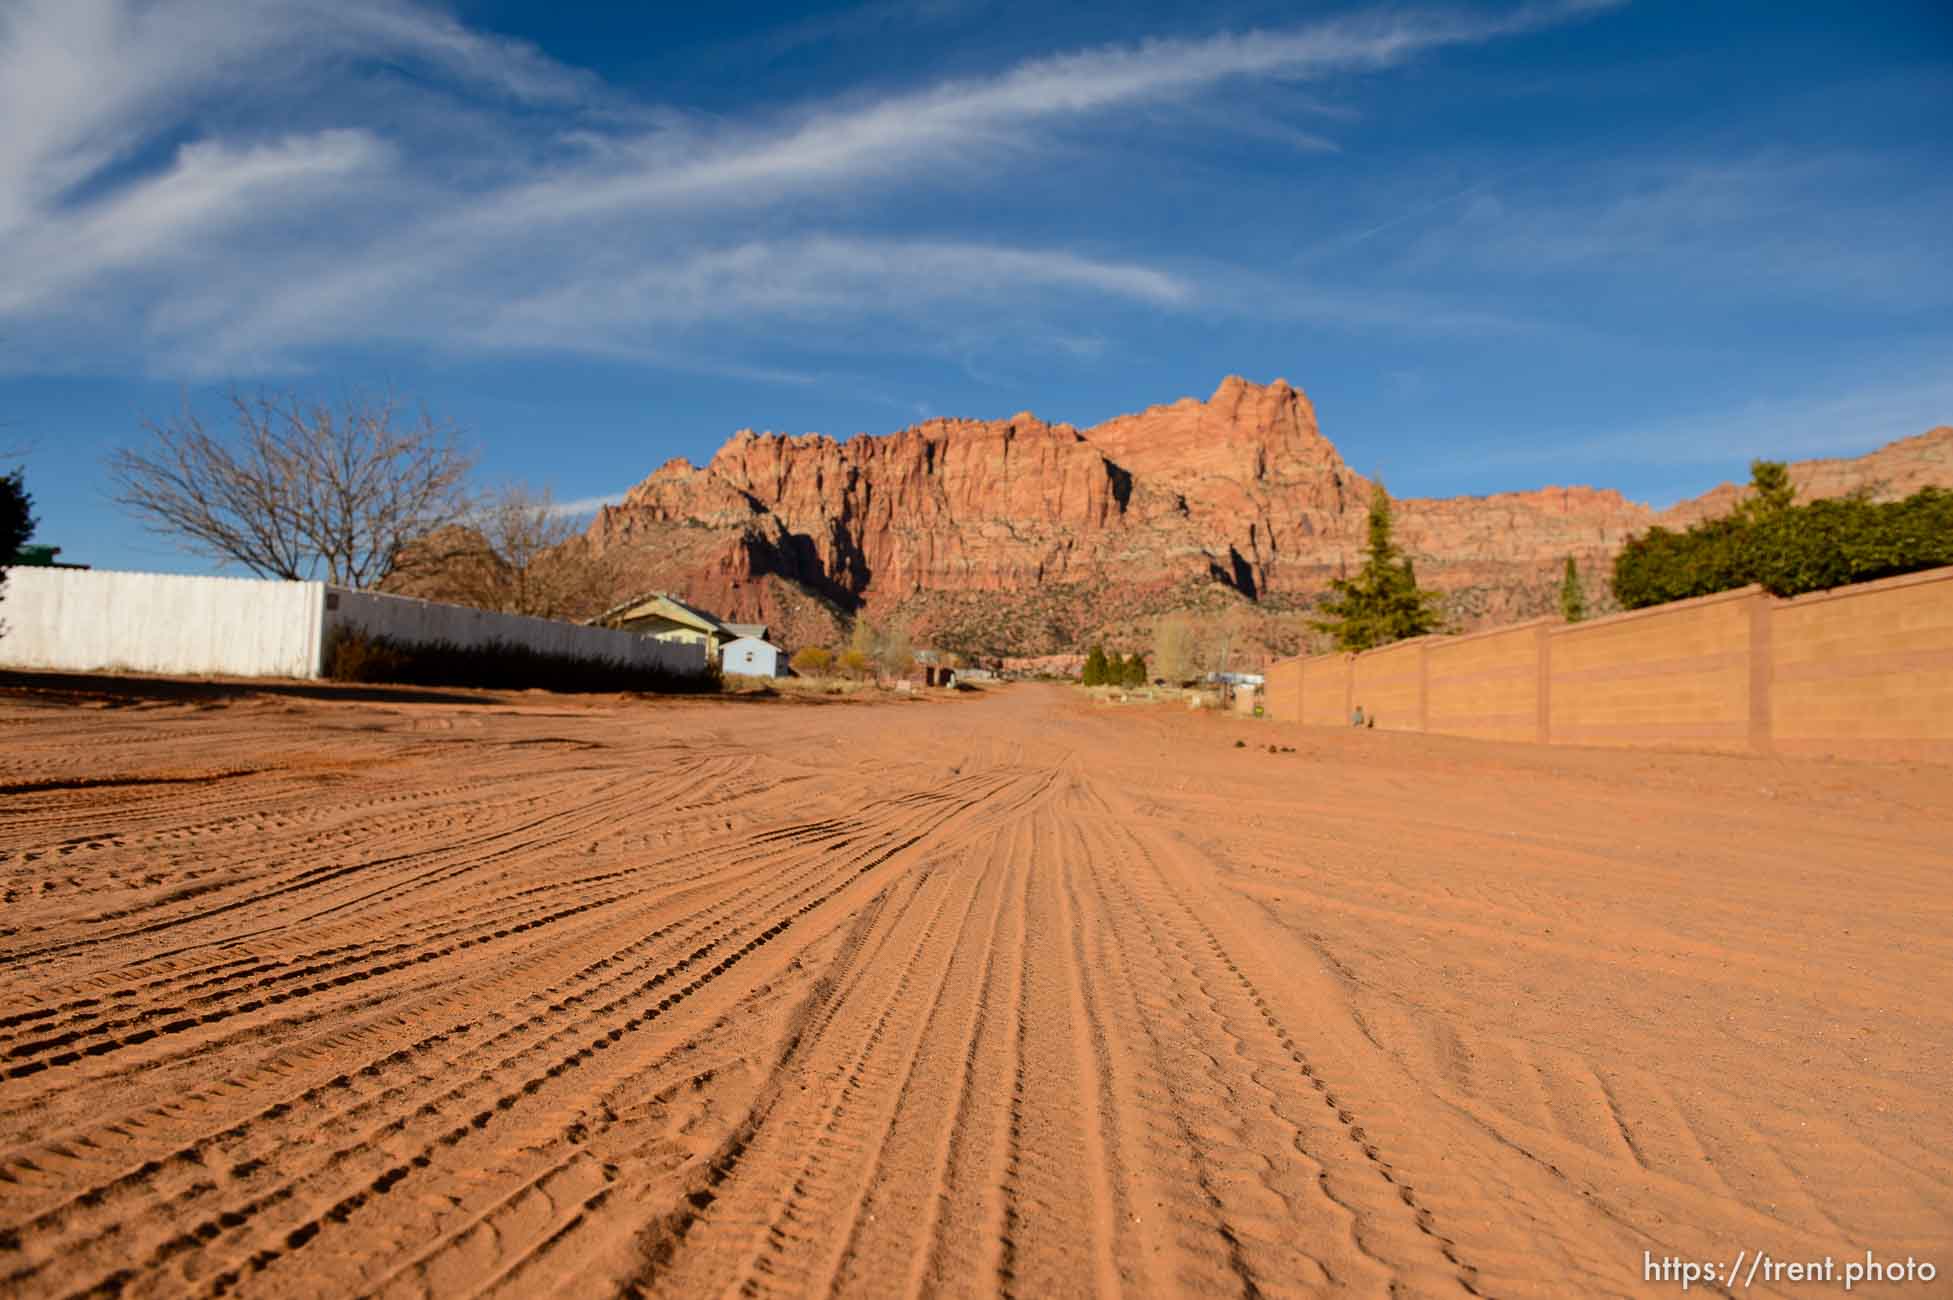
(314,994)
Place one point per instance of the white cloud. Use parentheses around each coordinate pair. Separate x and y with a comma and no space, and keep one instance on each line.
(215,185)
(582,506)
(209,189)
(1802,426)
(1843,229)
(947,121)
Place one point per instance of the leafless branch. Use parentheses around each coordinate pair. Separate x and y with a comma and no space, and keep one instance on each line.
(516,553)
(298,490)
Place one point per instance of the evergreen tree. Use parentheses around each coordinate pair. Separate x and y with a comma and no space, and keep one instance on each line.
(1136,669)
(1771,491)
(1573,597)
(1383,602)
(16,516)
(16,523)
(1095,666)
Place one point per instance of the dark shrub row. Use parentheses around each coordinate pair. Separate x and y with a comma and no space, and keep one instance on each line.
(1796,549)
(354,656)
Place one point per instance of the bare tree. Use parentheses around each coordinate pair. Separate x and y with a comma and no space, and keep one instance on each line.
(895,653)
(301,490)
(1176,648)
(517,552)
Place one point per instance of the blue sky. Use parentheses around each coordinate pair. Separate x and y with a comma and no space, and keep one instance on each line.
(1500,245)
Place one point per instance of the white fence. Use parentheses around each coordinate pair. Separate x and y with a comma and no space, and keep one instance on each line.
(88,620)
(422,622)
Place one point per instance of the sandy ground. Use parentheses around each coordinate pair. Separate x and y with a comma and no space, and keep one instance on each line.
(326,992)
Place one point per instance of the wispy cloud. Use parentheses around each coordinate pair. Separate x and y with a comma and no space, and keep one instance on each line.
(1749,227)
(582,506)
(1801,426)
(499,199)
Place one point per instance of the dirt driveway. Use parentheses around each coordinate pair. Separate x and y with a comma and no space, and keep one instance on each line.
(318,993)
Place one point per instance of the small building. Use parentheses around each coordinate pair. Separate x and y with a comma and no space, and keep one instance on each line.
(664,617)
(736,630)
(41,557)
(751,656)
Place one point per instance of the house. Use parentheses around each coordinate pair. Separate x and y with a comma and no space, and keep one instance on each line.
(42,557)
(664,617)
(736,630)
(751,656)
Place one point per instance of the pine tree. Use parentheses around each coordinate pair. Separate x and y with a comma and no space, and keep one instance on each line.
(1136,669)
(1771,491)
(1383,602)
(1573,598)
(16,523)
(1095,666)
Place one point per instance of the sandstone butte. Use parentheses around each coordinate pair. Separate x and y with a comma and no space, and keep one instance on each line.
(1021,537)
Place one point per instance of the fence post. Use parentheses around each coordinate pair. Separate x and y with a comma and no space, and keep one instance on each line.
(1762,670)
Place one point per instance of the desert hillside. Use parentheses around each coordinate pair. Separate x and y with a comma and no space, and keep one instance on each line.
(1023,537)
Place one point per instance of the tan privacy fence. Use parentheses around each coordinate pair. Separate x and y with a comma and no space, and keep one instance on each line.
(1862,671)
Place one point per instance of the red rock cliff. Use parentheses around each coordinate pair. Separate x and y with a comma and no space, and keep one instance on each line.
(1021,535)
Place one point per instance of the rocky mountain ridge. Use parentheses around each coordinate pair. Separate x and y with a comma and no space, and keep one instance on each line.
(1025,537)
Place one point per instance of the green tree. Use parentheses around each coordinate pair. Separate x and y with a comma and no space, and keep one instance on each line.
(1573,597)
(1095,666)
(1383,602)
(1836,542)
(1136,670)
(16,523)
(16,516)
(1660,566)
(1771,491)
(1787,549)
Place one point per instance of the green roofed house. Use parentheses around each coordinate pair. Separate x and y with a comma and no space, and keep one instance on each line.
(664,617)
(42,557)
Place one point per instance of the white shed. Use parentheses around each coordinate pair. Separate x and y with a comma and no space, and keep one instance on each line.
(750,656)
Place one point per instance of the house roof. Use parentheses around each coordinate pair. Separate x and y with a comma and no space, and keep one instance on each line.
(661,603)
(755,630)
(756,640)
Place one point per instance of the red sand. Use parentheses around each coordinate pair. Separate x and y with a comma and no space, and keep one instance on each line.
(323,993)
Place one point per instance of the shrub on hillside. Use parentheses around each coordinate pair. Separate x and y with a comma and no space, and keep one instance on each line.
(355,656)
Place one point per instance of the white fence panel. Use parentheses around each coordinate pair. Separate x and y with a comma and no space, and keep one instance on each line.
(93,620)
(424,622)
(89,620)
